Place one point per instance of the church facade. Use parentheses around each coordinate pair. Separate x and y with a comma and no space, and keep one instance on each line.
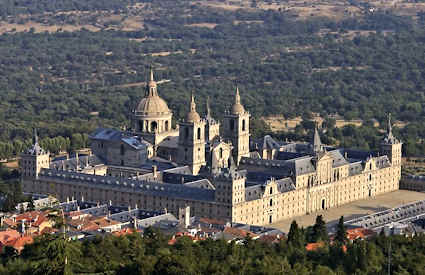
(214,168)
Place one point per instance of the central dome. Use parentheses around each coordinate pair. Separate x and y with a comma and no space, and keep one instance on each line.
(153,105)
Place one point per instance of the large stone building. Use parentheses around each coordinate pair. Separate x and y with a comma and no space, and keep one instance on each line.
(215,170)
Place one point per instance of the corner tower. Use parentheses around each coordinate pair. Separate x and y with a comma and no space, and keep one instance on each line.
(391,146)
(31,163)
(236,128)
(191,145)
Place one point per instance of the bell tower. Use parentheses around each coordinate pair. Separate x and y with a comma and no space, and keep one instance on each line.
(31,163)
(191,145)
(236,128)
(391,146)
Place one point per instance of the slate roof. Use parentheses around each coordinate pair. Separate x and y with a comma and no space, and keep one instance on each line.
(71,164)
(113,135)
(256,191)
(130,185)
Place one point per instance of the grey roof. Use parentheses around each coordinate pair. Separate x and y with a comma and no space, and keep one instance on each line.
(129,185)
(355,168)
(169,142)
(202,183)
(256,191)
(113,135)
(129,215)
(338,158)
(382,162)
(72,163)
(164,221)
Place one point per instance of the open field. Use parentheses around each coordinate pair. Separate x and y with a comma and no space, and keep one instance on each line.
(355,209)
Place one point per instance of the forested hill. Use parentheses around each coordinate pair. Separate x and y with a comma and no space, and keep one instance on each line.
(67,82)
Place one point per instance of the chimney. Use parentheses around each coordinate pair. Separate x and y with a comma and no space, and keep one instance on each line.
(82,198)
(76,161)
(135,207)
(78,208)
(67,199)
(72,198)
(109,214)
(129,208)
(154,171)
(135,223)
(23,227)
(345,155)
(110,203)
(87,161)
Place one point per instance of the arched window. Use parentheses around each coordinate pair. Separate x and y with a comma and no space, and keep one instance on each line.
(271,190)
(154,125)
(370,166)
(271,202)
(199,133)
(166,125)
(221,153)
(243,125)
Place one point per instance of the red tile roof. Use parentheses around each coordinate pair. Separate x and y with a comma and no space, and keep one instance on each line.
(359,233)
(8,235)
(314,246)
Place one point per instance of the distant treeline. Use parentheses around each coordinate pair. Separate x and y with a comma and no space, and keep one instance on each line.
(65,83)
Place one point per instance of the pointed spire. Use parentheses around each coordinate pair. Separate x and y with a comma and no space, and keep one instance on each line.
(151,86)
(237,107)
(192,115)
(208,107)
(237,97)
(389,137)
(317,143)
(35,136)
(151,74)
(192,103)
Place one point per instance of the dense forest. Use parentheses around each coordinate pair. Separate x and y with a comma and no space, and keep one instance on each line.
(68,83)
(151,254)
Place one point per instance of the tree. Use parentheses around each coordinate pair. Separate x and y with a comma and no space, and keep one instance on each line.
(295,236)
(341,233)
(320,232)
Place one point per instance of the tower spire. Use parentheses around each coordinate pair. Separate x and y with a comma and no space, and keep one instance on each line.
(208,107)
(237,97)
(390,128)
(237,107)
(192,115)
(192,104)
(35,136)
(317,143)
(151,74)
(151,86)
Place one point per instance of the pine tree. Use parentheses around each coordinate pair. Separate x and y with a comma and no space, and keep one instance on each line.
(320,232)
(341,233)
(295,236)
